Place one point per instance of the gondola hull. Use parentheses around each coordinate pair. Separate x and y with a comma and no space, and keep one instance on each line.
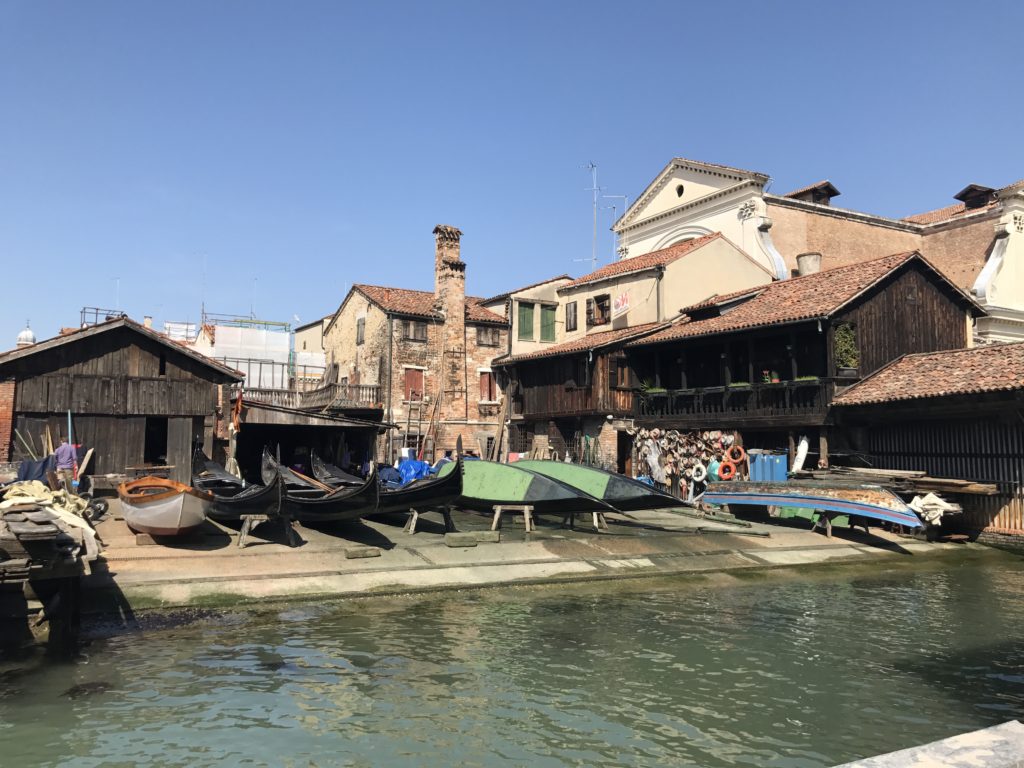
(307,503)
(623,493)
(426,494)
(232,498)
(486,484)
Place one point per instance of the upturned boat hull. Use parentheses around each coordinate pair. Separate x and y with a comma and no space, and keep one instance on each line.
(162,507)
(864,500)
(486,484)
(623,493)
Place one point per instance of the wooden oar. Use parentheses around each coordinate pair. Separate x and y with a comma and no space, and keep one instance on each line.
(311,481)
(25,445)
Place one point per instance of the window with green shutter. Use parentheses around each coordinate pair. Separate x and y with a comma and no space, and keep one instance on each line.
(525,321)
(547,322)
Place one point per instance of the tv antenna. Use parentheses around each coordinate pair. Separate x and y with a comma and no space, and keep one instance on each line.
(596,190)
(614,209)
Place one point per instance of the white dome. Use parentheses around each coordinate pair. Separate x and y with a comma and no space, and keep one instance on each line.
(26,337)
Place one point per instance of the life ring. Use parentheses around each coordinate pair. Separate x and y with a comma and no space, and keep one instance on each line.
(700,473)
(727,470)
(736,454)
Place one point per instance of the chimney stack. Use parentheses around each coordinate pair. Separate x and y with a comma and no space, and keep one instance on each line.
(147,321)
(450,301)
(808,263)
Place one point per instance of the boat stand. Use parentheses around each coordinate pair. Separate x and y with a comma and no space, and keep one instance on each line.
(414,516)
(600,524)
(826,525)
(249,521)
(525,509)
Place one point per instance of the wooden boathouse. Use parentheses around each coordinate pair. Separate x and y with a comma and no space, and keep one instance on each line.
(957,414)
(135,397)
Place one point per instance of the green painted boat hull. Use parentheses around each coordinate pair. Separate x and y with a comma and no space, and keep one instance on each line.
(488,483)
(623,493)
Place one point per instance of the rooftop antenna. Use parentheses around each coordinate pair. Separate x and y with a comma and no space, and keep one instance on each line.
(625,207)
(117,293)
(252,303)
(596,190)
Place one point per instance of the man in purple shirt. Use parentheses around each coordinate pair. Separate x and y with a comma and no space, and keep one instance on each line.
(65,462)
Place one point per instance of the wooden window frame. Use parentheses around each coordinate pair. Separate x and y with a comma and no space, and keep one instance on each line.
(487,336)
(360,331)
(410,330)
(570,317)
(409,389)
(488,387)
(599,310)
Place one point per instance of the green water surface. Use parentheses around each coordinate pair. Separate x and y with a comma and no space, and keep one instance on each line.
(785,673)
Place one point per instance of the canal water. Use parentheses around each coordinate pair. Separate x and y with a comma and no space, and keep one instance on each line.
(763,673)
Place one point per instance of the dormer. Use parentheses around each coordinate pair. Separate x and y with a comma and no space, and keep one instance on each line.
(975,196)
(819,194)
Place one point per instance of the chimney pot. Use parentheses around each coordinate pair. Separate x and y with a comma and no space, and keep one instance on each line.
(808,263)
(147,321)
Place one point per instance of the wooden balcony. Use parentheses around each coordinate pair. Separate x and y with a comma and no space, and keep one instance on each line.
(788,403)
(338,396)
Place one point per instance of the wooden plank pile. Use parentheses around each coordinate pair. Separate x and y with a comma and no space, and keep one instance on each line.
(899,480)
(33,541)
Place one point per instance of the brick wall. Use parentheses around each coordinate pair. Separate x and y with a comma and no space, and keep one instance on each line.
(6,418)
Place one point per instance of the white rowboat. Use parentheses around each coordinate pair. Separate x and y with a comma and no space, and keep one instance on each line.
(162,507)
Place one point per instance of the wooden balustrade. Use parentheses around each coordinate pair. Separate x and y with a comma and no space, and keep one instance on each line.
(768,404)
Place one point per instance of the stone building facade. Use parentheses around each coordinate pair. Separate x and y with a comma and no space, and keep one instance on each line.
(978,242)
(429,353)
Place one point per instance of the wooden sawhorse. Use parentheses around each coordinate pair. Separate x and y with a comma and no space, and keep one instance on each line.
(525,509)
(414,516)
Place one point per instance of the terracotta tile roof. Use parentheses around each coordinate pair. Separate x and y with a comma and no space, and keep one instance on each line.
(996,368)
(539,283)
(787,301)
(948,213)
(402,301)
(824,183)
(640,263)
(584,343)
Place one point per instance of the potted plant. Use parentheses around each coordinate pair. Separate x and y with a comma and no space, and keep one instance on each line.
(845,351)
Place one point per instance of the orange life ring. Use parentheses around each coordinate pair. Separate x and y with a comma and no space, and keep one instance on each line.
(736,454)
(726,470)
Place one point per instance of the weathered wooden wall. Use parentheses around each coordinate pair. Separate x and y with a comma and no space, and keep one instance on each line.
(988,450)
(910,314)
(116,373)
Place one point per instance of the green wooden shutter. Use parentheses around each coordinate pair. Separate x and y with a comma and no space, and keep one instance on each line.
(547,322)
(525,321)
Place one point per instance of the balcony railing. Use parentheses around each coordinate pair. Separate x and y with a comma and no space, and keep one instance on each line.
(333,395)
(787,401)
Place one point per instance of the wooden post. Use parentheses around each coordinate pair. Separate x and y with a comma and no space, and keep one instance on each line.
(792,449)
(823,448)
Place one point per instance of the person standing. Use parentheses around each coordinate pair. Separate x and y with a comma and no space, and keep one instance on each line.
(65,455)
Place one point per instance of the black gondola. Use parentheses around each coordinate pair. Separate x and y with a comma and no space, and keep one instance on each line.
(332,475)
(427,493)
(232,498)
(307,500)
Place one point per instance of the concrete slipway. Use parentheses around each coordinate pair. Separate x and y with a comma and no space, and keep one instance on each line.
(378,558)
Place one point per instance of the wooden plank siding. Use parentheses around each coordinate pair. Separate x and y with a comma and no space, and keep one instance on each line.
(911,313)
(118,442)
(568,386)
(55,393)
(989,450)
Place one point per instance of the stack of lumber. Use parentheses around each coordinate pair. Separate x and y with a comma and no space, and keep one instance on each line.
(900,481)
(33,538)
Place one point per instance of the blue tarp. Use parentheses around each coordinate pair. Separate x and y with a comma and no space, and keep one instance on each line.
(36,470)
(411,469)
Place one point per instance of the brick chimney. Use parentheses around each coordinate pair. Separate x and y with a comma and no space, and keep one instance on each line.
(450,301)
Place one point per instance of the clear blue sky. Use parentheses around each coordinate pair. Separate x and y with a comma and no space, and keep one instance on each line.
(296,148)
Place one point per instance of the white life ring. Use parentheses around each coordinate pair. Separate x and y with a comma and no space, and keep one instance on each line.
(700,473)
